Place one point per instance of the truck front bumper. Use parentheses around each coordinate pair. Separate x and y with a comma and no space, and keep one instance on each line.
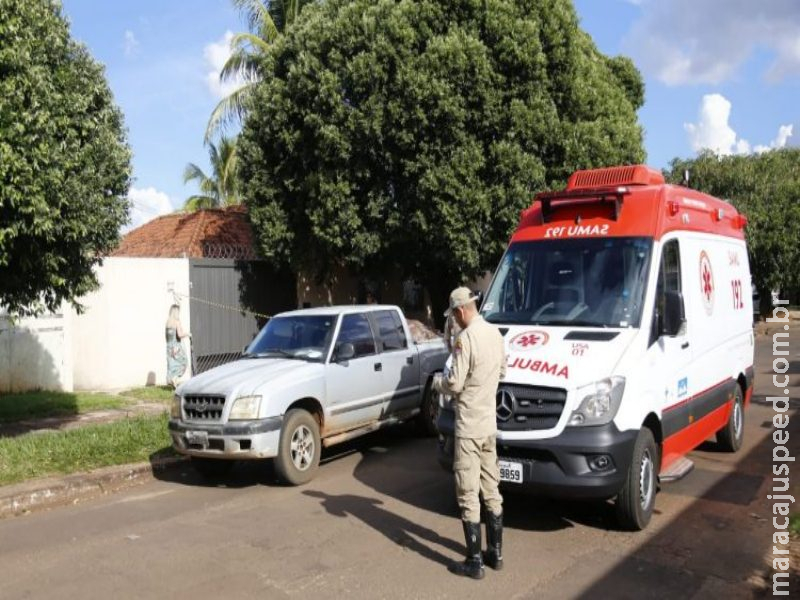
(581,462)
(240,440)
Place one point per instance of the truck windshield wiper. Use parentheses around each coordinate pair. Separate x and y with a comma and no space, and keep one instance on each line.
(576,323)
(280,352)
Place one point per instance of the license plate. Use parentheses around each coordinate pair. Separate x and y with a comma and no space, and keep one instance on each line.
(197,437)
(510,471)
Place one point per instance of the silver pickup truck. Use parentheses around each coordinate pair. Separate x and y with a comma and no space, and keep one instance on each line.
(310,378)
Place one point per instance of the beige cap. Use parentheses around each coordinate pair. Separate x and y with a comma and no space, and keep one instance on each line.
(460,297)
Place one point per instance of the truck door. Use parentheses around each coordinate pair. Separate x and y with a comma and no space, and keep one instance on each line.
(669,357)
(401,369)
(354,385)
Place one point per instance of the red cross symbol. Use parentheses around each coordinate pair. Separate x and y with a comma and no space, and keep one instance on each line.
(708,286)
(529,340)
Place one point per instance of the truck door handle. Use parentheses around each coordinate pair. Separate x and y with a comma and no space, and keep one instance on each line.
(684,345)
(378,367)
(409,360)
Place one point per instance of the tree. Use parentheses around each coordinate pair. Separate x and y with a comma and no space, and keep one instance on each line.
(766,188)
(409,135)
(266,20)
(64,161)
(219,189)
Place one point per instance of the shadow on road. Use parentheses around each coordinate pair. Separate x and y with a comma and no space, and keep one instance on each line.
(397,529)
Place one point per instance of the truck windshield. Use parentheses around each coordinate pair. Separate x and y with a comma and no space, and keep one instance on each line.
(593,282)
(300,337)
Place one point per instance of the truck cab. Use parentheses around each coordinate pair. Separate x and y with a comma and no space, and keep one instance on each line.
(625,307)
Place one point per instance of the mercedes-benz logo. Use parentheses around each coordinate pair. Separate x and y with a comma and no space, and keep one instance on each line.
(506,403)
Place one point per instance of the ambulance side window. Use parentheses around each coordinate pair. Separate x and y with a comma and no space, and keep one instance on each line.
(669,280)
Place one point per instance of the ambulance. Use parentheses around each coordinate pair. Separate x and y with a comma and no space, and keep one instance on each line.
(626,310)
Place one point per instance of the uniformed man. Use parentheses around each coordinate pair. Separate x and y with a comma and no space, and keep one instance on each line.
(478,364)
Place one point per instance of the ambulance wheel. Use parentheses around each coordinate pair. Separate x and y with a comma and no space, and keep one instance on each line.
(212,469)
(429,412)
(637,498)
(299,448)
(729,438)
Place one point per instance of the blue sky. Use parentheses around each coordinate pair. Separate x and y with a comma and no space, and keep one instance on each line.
(723,74)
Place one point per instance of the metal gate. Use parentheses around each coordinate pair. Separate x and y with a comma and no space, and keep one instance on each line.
(230,300)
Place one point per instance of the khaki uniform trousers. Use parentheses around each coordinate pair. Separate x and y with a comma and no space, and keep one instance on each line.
(476,471)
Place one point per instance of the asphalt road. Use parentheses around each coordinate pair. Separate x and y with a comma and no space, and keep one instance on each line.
(379,521)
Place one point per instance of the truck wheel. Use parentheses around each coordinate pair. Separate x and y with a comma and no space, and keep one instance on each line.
(212,469)
(729,438)
(429,411)
(299,449)
(637,498)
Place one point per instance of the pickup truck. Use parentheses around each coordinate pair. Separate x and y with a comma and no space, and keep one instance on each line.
(310,378)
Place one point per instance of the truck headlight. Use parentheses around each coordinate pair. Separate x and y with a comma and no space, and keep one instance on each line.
(599,402)
(175,408)
(245,408)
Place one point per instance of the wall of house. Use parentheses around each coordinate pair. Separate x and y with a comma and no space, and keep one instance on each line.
(118,342)
(35,354)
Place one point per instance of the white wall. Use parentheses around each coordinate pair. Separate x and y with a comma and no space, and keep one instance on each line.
(118,342)
(35,353)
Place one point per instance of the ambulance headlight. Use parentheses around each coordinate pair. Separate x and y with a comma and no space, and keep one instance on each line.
(245,408)
(599,402)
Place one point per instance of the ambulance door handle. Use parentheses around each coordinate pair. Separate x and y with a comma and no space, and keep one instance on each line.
(378,366)
(684,345)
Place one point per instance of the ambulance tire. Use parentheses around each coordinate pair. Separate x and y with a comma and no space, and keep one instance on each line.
(299,448)
(729,438)
(635,502)
(429,412)
(212,469)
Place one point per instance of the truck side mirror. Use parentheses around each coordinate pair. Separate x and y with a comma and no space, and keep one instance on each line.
(345,352)
(674,314)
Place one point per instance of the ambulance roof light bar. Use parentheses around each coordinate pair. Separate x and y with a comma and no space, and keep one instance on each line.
(614,176)
(579,196)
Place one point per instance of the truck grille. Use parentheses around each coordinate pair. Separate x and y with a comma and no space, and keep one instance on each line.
(203,408)
(529,407)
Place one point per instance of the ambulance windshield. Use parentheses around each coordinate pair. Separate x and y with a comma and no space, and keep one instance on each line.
(592,282)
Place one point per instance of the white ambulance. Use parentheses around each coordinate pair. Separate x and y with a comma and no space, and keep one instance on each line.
(626,309)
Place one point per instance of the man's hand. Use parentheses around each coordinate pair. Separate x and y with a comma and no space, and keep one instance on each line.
(438,383)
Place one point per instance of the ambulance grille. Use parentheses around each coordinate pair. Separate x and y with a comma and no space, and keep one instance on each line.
(529,407)
(203,408)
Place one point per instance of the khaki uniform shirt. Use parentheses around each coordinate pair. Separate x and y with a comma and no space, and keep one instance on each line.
(479,362)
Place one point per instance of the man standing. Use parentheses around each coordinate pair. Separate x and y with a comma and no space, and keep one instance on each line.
(478,365)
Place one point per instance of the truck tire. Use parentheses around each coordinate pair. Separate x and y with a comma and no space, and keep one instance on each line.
(212,469)
(429,411)
(299,449)
(637,498)
(729,438)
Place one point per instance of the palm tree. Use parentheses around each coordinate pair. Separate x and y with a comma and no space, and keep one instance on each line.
(219,189)
(266,20)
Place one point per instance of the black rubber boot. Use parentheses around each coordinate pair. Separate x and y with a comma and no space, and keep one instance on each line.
(493,557)
(472,565)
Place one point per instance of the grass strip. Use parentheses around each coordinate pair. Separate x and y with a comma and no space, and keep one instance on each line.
(36,405)
(794,523)
(130,440)
(151,393)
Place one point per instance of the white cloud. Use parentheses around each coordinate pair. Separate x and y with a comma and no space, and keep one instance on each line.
(714,132)
(706,41)
(131,44)
(216,55)
(146,204)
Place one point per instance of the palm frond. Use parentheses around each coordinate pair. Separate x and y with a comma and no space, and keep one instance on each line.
(258,17)
(228,110)
(193,173)
(198,202)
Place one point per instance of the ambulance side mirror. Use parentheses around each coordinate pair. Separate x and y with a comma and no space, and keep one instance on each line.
(674,314)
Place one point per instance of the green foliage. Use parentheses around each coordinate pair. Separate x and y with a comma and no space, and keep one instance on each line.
(64,160)
(220,188)
(410,134)
(151,393)
(131,440)
(266,20)
(766,188)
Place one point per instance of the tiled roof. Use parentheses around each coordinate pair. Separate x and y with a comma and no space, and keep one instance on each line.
(208,233)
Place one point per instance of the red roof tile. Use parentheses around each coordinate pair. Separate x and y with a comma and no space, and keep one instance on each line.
(208,233)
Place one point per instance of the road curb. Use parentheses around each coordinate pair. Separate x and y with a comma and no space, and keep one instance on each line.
(19,499)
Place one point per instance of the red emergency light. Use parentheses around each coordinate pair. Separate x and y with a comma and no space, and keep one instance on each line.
(615,176)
